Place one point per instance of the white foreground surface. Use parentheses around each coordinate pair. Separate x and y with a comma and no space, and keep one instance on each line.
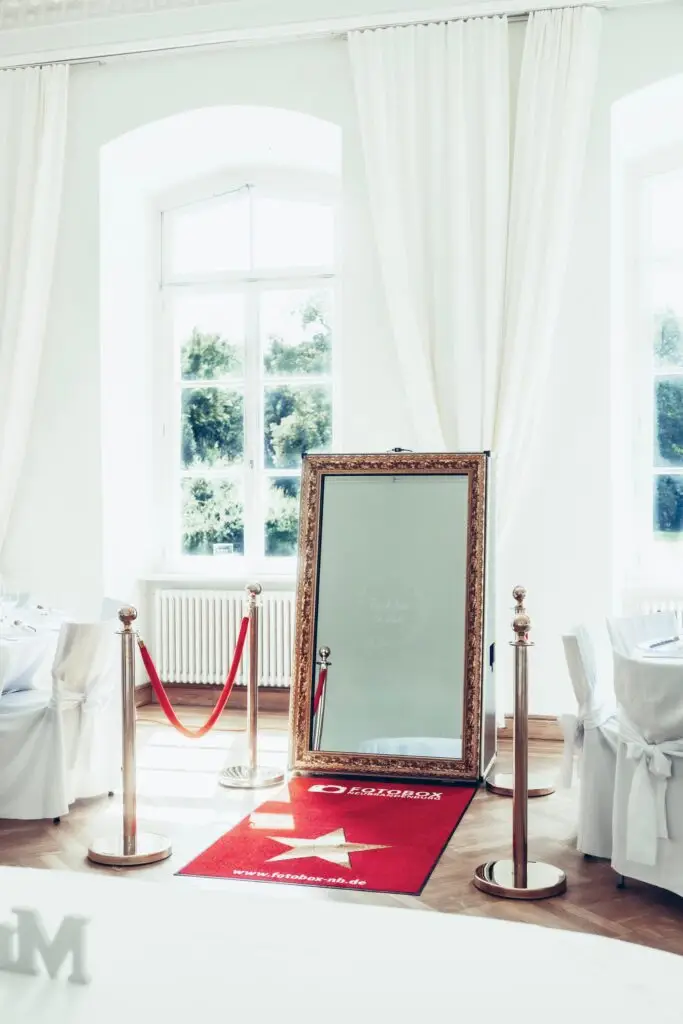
(179,955)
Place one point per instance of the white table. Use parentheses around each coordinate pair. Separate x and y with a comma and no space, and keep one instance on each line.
(181,955)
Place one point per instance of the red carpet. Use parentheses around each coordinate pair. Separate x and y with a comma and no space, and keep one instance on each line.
(342,834)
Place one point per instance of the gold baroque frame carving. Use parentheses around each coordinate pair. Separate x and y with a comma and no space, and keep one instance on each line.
(303,758)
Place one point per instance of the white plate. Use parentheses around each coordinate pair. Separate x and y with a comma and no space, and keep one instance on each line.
(673,650)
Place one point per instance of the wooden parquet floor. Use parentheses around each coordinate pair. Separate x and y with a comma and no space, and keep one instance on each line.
(178,795)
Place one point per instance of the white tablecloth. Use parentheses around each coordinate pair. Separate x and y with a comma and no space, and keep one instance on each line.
(176,953)
(26,653)
(650,692)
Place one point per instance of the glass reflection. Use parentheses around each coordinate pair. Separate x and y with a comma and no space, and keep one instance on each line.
(391,610)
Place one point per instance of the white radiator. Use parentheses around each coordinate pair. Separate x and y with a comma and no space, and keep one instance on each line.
(195,632)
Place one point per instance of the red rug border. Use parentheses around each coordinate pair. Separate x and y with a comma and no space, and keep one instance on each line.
(340,888)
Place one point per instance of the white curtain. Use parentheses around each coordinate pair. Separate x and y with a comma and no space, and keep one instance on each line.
(554,103)
(433,103)
(473,263)
(33,113)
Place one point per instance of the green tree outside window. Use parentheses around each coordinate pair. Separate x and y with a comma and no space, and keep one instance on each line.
(668,502)
(209,357)
(668,345)
(669,409)
(297,419)
(212,427)
(213,513)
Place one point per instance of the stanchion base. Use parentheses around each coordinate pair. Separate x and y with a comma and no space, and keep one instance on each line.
(149,849)
(497,878)
(503,785)
(241,776)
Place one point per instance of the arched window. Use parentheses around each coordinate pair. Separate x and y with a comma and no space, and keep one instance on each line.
(219,338)
(248,287)
(648,352)
(663,296)
(248,345)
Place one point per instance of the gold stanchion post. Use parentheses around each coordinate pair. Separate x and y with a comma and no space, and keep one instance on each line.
(251,775)
(130,848)
(520,879)
(324,663)
(502,784)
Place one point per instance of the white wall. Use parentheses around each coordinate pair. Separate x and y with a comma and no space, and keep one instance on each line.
(126,329)
(56,543)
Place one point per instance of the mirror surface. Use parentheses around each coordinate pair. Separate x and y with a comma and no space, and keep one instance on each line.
(392,609)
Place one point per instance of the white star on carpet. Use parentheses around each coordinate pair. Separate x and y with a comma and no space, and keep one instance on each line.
(332,847)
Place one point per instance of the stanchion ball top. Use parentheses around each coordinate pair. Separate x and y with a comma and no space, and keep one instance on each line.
(254,588)
(521,624)
(324,653)
(519,593)
(127,615)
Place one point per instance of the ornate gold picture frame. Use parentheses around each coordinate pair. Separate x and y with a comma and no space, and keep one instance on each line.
(303,757)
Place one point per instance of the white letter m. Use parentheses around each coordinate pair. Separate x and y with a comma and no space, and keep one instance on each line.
(32,945)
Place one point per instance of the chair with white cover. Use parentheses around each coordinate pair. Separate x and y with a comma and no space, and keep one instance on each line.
(627,632)
(592,731)
(60,746)
(648,793)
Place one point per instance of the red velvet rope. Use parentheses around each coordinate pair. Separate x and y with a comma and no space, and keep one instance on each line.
(165,703)
(319,689)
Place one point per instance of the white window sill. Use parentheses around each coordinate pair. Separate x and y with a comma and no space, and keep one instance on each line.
(282,581)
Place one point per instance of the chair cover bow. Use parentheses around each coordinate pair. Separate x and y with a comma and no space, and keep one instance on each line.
(655,759)
(646,821)
(573,730)
(68,699)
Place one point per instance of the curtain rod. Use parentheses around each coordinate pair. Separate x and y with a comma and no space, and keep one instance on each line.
(300,35)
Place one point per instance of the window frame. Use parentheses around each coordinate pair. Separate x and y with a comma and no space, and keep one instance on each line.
(282,183)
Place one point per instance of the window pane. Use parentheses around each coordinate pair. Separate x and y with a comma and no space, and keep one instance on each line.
(296,332)
(209,335)
(668,340)
(282,516)
(296,420)
(212,517)
(668,504)
(212,427)
(293,234)
(669,421)
(210,236)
